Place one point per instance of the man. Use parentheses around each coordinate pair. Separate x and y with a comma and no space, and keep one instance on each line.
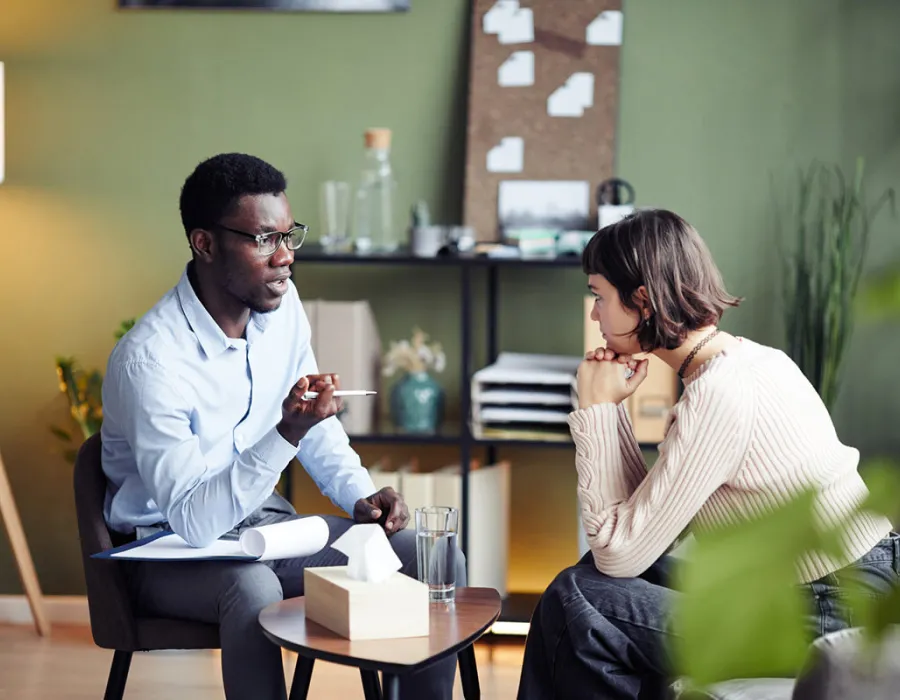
(203,409)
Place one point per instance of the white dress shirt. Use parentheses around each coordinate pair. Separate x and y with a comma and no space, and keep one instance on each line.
(189,419)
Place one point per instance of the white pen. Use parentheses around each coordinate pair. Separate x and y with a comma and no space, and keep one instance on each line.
(340,392)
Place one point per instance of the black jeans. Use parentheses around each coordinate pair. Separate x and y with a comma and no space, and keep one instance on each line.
(597,637)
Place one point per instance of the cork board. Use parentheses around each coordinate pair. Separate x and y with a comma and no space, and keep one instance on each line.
(510,128)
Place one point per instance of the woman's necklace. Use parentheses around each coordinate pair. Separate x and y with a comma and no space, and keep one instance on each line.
(687,360)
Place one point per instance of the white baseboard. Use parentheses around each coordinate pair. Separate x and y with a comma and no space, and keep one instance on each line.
(61,610)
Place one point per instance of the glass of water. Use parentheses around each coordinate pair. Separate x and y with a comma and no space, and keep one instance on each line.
(334,213)
(436,530)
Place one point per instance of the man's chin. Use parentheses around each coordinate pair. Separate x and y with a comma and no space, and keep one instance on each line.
(266,307)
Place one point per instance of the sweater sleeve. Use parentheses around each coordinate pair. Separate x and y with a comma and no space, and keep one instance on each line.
(632,459)
(629,530)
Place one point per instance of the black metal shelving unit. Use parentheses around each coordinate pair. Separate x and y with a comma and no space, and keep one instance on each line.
(518,606)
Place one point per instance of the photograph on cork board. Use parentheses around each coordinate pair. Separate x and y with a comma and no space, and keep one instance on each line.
(543,101)
(286,5)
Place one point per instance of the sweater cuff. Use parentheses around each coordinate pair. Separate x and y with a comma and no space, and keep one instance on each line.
(599,419)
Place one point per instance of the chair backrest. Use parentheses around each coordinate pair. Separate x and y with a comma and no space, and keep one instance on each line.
(112,617)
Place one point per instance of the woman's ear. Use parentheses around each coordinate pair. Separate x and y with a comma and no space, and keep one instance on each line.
(641,299)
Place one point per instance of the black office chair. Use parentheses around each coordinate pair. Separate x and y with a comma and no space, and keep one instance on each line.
(114,623)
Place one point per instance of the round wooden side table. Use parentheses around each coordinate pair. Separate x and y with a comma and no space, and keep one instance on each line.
(453,630)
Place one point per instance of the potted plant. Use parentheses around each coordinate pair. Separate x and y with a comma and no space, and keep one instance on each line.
(82,389)
(416,400)
(830,220)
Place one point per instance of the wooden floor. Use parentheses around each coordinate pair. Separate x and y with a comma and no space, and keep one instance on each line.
(68,665)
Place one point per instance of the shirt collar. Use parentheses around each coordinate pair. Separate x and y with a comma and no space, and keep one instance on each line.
(211,337)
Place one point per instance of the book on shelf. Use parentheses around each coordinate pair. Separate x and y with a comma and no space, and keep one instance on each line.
(345,341)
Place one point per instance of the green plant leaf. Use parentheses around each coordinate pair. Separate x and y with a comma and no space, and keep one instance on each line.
(882,477)
(741,613)
(124,327)
(880,297)
(61,434)
(826,222)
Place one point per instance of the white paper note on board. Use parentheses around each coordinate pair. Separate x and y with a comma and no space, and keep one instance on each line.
(517,70)
(508,156)
(572,98)
(495,18)
(512,24)
(605,29)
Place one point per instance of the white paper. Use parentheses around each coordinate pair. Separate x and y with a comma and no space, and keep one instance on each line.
(500,414)
(507,397)
(508,156)
(496,17)
(174,547)
(292,538)
(571,99)
(606,29)
(286,540)
(370,556)
(530,369)
(517,70)
(512,24)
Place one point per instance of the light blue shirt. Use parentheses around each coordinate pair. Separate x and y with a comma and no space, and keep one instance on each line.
(189,420)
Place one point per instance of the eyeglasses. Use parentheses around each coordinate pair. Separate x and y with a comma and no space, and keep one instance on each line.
(268,243)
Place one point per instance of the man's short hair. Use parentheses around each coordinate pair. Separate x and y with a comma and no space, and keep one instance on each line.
(658,249)
(213,190)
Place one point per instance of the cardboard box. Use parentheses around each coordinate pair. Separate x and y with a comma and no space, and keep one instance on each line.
(650,405)
(394,608)
(345,340)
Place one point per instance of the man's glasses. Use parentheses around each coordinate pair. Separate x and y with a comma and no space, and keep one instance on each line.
(268,243)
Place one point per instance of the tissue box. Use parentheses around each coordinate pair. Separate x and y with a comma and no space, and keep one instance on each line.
(396,607)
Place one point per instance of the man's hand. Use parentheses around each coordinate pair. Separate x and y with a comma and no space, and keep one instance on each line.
(385,507)
(298,416)
(602,377)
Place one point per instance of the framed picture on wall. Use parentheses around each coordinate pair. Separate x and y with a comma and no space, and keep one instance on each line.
(286,5)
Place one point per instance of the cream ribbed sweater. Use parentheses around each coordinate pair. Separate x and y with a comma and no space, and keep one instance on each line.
(748,432)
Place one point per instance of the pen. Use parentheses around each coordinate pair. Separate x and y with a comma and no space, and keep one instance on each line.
(313,394)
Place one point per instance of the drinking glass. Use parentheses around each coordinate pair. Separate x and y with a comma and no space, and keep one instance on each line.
(436,531)
(334,212)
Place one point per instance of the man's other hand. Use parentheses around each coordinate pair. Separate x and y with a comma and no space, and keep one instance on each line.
(385,507)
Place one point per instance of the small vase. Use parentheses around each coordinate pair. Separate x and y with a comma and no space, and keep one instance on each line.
(417,403)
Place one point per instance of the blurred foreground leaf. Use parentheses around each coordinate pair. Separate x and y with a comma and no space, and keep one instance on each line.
(742,614)
(880,296)
(882,477)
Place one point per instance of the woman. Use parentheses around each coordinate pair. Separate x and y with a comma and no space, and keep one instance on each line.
(748,432)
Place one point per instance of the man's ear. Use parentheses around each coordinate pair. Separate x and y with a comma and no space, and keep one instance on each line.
(642,300)
(202,244)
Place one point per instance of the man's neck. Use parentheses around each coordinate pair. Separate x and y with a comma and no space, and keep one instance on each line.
(229,314)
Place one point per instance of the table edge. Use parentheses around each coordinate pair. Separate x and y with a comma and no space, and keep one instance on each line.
(384,666)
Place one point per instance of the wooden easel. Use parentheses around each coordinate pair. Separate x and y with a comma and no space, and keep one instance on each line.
(13,524)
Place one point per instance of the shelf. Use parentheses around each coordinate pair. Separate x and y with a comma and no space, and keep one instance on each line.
(448,435)
(314,253)
(528,442)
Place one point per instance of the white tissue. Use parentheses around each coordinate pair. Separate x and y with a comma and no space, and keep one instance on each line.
(371,557)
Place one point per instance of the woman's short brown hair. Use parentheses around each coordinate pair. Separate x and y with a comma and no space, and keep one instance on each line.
(661,251)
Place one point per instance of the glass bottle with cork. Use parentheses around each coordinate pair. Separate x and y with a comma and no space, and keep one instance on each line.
(374,224)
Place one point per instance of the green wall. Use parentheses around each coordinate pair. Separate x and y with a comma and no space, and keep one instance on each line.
(107,112)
